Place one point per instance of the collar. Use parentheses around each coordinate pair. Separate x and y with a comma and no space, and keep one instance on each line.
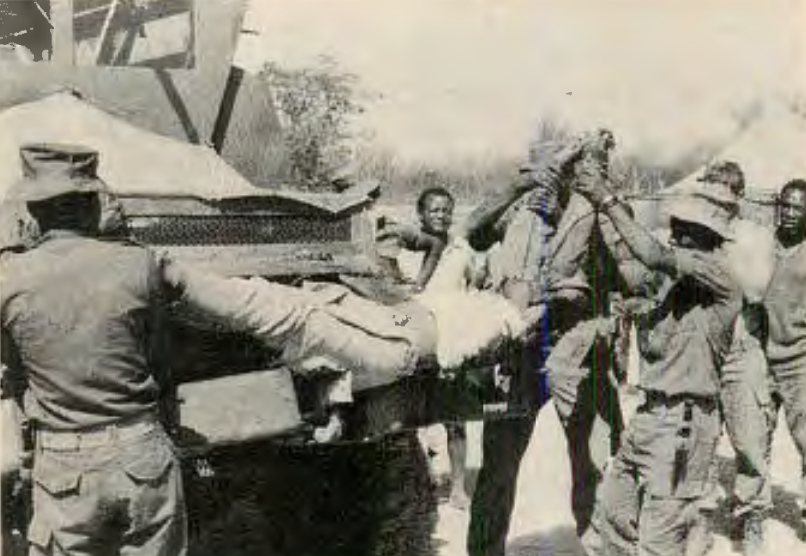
(59,234)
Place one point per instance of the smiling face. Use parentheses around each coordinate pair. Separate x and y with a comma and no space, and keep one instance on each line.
(436,214)
(792,212)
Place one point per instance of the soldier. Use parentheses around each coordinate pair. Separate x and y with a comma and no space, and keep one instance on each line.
(650,491)
(745,393)
(786,308)
(80,318)
(551,255)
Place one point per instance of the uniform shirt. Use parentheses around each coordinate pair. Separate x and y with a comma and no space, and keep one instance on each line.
(77,314)
(683,340)
(785,301)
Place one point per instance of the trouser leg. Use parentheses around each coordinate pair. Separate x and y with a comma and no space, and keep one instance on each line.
(457,453)
(158,517)
(614,527)
(663,525)
(748,424)
(581,393)
(504,443)
(791,387)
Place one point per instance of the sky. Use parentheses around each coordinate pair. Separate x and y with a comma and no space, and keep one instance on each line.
(457,79)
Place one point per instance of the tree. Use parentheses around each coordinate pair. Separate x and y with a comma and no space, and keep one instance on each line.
(315,105)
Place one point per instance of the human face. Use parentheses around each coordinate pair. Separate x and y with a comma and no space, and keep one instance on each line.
(792,212)
(437,215)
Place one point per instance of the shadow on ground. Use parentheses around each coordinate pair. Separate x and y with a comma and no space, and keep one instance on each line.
(559,541)
(785,509)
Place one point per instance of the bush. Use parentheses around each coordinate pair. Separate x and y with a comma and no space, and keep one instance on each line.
(315,105)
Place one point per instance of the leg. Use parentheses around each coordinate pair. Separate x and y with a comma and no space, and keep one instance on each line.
(582,390)
(457,453)
(748,411)
(680,443)
(504,443)
(747,407)
(152,481)
(614,526)
(791,387)
(701,535)
(663,525)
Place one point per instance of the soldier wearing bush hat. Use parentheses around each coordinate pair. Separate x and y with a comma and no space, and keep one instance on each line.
(745,392)
(651,491)
(80,319)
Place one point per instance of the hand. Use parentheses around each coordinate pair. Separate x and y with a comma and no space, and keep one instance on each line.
(591,179)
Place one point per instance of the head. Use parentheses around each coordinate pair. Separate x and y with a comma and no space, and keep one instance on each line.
(725,174)
(792,210)
(701,219)
(435,209)
(600,144)
(76,211)
(60,188)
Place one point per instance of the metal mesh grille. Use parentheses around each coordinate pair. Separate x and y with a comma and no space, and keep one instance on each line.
(238,230)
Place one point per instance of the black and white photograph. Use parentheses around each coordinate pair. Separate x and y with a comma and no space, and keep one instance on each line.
(403,277)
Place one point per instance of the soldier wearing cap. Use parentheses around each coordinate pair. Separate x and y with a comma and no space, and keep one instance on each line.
(80,322)
(745,393)
(649,494)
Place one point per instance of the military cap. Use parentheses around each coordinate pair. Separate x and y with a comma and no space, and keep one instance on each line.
(52,170)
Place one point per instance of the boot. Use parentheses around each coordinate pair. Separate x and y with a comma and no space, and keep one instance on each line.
(753,534)
(701,535)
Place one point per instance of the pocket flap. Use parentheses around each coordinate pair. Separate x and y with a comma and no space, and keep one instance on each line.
(56,479)
(151,466)
(39,533)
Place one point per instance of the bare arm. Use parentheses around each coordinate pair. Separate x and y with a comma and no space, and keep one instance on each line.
(481,227)
(414,239)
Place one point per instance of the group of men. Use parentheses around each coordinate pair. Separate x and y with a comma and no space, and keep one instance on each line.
(106,477)
(719,322)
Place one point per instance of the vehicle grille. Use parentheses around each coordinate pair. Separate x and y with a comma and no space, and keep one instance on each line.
(242,229)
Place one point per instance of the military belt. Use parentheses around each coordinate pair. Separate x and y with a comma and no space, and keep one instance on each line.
(653,398)
(97,437)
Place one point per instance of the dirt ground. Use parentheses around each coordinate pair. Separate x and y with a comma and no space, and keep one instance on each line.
(542,523)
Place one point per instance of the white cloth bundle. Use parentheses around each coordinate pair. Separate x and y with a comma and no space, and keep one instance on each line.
(469,321)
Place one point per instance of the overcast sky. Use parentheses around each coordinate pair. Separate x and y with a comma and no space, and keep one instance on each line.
(463,78)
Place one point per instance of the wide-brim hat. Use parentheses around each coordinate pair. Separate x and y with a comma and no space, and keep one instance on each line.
(705,210)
